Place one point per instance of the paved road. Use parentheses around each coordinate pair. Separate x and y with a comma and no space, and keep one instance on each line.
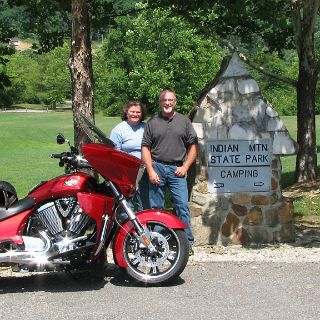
(215,290)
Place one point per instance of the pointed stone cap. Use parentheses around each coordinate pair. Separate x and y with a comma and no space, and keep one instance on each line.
(231,66)
(238,119)
(235,68)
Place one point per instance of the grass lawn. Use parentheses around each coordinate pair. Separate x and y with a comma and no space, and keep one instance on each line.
(289,162)
(28,139)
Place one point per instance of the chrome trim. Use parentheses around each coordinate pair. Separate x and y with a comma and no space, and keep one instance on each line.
(103,236)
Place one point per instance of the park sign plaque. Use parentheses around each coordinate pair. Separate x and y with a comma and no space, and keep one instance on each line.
(239,166)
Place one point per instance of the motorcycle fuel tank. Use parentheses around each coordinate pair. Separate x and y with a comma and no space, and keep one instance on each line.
(62,186)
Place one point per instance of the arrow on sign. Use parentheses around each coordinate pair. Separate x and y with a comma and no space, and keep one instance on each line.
(218,185)
(258,184)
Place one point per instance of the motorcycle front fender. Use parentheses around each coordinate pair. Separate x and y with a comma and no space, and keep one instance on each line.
(152,215)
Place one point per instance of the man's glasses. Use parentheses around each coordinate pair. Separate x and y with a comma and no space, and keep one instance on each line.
(169,100)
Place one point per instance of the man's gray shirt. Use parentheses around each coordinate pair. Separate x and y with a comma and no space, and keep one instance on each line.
(169,139)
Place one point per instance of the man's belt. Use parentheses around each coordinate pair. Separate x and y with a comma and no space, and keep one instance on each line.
(174,163)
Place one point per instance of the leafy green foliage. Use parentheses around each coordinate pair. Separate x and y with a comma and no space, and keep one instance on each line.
(16,19)
(281,95)
(57,76)
(50,21)
(40,78)
(244,19)
(142,56)
(5,49)
(26,76)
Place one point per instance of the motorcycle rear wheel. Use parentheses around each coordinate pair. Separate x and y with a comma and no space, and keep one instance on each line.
(168,262)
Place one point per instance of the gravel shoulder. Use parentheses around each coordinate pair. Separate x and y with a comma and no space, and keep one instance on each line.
(284,253)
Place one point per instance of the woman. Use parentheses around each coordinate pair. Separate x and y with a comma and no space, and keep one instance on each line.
(127,137)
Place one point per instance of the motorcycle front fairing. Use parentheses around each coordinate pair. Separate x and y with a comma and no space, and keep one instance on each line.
(117,166)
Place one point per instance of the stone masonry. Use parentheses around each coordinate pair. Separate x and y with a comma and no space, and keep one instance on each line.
(232,108)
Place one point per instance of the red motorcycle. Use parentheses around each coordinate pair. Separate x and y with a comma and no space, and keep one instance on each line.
(68,222)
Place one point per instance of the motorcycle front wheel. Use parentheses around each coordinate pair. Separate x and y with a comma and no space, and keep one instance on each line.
(168,261)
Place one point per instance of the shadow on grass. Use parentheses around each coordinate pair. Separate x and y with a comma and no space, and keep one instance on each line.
(288,178)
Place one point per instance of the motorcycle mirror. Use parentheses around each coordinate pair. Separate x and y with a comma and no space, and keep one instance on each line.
(61,139)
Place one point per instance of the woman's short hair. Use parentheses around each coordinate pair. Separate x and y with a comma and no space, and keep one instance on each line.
(130,104)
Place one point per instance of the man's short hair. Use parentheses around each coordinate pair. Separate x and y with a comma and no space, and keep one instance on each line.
(167,89)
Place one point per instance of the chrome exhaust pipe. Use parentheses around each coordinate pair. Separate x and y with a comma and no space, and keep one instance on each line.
(35,252)
(41,252)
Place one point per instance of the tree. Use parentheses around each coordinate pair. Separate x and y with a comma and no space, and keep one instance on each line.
(142,55)
(5,50)
(80,64)
(15,19)
(41,79)
(80,61)
(281,24)
(53,21)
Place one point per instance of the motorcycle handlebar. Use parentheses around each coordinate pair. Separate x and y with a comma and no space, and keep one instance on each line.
(70,159)
(63,155)
(56,155)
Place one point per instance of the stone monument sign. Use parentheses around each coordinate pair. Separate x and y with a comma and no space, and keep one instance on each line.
(236,192)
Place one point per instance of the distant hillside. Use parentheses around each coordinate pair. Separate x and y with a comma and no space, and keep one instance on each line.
(23,45)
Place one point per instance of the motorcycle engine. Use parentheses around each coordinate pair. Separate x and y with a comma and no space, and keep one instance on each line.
(65,223)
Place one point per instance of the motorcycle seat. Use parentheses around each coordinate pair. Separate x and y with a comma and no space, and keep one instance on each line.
(15,208)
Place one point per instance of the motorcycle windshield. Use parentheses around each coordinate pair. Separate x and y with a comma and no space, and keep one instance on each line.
(94,133)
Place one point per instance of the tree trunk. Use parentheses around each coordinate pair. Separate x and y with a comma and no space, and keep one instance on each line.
(306,162)
(80,64)
(304,16)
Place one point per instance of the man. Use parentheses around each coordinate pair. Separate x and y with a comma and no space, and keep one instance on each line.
(169,147)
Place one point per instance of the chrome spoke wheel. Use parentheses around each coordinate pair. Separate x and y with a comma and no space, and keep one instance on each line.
(167,261)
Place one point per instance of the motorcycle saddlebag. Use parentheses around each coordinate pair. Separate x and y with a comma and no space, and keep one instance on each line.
(8,194)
